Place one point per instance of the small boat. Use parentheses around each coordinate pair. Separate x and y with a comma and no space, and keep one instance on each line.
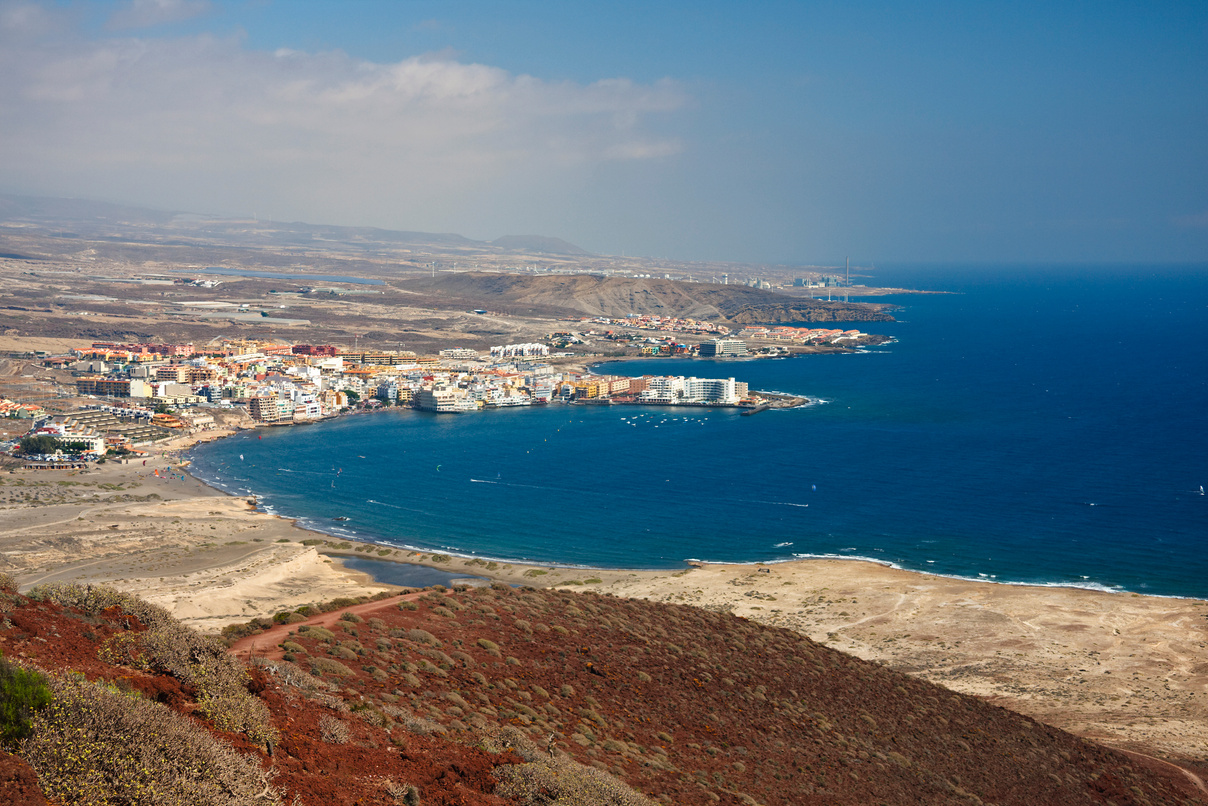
(340,518)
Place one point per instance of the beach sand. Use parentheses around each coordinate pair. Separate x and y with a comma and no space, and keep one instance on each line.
(1128,670)
(210,558)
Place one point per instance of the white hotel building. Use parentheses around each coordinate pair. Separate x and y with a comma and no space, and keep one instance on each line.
(678,389)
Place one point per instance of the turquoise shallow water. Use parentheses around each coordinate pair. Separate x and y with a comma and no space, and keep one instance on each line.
(1038,427)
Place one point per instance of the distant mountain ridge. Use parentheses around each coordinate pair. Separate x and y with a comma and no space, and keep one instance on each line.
(593,295)
(91,217)
(539,243)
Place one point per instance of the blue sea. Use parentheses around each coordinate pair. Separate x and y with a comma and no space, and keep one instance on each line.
(1035,425)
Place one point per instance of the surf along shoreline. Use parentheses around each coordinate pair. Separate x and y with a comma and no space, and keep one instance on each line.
(1121,668)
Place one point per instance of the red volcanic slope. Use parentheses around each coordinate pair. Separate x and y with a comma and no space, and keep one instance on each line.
(687,706)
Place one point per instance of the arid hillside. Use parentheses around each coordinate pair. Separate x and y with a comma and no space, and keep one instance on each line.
(507,696)
(619,296)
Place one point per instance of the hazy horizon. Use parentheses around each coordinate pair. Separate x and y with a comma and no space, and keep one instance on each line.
(785,133)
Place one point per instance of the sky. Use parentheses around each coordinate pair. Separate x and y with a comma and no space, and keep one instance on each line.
(776,132)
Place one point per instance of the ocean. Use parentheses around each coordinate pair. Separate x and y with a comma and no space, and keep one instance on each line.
(1036,425)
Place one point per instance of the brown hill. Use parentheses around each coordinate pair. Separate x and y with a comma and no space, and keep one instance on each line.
(497,696)
(592,295)
(538,244)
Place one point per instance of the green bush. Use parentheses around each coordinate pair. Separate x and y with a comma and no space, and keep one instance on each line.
(43,443)
(22,693)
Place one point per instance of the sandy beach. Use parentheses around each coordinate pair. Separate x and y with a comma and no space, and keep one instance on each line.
(1128,670)
(208,557)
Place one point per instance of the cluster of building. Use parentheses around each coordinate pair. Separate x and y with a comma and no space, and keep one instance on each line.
(666,324)
(278,383)
(95,430)
(13,410)
(517,351)
(805,335)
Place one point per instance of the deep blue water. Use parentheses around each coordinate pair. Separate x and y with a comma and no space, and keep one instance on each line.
(1037,426)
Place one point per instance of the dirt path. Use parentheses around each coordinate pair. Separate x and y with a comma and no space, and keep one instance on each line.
(1168,767)
(265,644)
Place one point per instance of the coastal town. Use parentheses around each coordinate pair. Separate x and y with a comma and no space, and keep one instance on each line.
(133,394)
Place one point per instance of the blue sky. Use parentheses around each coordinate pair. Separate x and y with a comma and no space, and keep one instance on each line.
(770,132)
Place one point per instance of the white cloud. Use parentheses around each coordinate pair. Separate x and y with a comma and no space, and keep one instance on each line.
(205,122)
(149,13)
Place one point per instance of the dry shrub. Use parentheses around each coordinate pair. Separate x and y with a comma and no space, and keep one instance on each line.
(423,637)
(546,780)
(289,674)
(428,667)
(413,723)
(95,745)
(371,716)
(440,658)
(331,701)
(330,666)
(317,633)
(286,617)
(403,794)
(194,659)
(7,583)
(332,730)
(458,700)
